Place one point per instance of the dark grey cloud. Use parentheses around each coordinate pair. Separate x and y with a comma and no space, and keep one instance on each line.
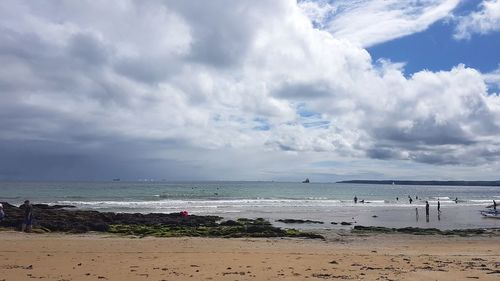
(147,69)
(383,153)
(88,49)
(426,132)
(55,160)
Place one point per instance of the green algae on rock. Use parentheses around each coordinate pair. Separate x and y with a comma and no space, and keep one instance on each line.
(227,229)
(424,231)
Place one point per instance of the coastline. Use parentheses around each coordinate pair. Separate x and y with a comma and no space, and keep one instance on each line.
(92,256)
(68,219)
(71,244)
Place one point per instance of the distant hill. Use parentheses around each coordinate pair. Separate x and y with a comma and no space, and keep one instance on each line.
(409,182)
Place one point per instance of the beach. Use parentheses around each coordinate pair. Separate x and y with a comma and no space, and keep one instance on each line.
(342,256)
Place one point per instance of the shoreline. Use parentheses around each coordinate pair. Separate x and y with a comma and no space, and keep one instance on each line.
(91,256)
(332,204)
(67,219)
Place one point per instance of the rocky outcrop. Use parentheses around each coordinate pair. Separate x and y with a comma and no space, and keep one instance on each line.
(298,221)
(425,231)
(66,219)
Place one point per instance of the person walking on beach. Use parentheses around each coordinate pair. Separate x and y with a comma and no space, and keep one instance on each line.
(28,217)
(439,206)
(494,205)
(416,213)
(355,199)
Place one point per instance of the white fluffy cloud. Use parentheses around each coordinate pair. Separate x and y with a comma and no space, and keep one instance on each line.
(493,78)
(369,22)
(238,89)
(483,21)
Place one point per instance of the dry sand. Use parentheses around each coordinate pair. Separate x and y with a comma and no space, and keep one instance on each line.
(374,257)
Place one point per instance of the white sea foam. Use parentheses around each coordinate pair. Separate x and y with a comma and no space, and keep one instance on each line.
(237,205)
(481,201)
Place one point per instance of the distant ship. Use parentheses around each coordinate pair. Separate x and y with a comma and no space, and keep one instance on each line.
(116,179)
(306,180)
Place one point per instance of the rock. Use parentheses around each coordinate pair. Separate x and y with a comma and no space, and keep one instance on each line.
(298,221)
(60,219)
(422,231)
(346,223)
(230,223)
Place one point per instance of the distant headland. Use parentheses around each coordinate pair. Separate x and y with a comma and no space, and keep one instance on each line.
(433,182)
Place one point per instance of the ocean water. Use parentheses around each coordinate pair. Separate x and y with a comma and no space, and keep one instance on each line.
(326,202)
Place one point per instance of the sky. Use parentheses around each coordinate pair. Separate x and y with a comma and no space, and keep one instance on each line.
(250,90)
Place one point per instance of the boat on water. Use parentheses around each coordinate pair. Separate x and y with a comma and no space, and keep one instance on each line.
(491,214)
(306,180)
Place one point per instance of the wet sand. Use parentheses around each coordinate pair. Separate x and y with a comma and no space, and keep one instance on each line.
(351,257)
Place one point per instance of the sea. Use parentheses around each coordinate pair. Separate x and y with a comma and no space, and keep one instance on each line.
(329,203)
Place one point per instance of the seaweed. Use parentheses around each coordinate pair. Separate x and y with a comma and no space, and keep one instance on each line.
(227,229)
(422,231)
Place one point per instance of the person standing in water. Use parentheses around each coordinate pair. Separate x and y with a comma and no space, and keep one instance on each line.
(427,211)
(355,199)
(494,205)
(411,200)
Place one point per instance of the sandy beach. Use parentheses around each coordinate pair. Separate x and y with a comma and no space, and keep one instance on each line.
(341,257)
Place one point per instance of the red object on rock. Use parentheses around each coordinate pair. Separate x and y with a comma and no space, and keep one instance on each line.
(184,214)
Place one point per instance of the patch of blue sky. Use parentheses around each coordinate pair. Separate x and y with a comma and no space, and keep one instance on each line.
(262,124)
(306,113)
(493,89)
(466,7)
(435,49)
(310,119)
(316,124)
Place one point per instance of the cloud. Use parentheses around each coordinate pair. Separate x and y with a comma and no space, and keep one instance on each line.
(493,79)
(369,22)
(485,20)
(225,90)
